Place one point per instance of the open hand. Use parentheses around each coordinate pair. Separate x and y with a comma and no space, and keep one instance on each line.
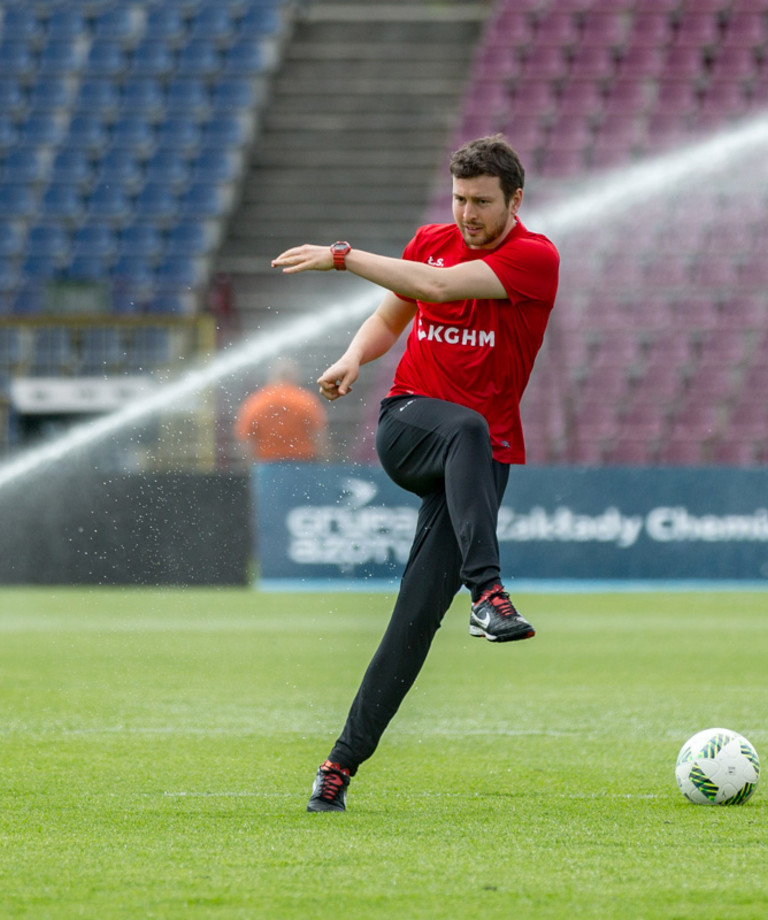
(304,258)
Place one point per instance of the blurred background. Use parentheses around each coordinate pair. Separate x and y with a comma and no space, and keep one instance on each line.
(155,155)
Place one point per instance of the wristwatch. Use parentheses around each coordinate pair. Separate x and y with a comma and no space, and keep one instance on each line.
(339,251)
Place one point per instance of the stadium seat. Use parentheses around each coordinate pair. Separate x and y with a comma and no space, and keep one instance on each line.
(119,166)
(188,97)
(166,23)
(228,132)
(134,273)
(109,202)
(48,240)
(198,58)
(17,202)
(157,203)
(152,58)
(141,239)
(205,200)
(72,167)
(234,95)
(106,59)
(87,132)
(143,96)
(26,166)
(53,352)
(12,238)
(43,129)
(179,133)
(213,23)
(88,268)
(217,166)
(245,57)
(96,239)
(102,350)
(179,272)
(67,23)
(16,59)
(50,94)
(21,24)
(134,133)
(193,237)
(170,168)
(62,58)
(123,24)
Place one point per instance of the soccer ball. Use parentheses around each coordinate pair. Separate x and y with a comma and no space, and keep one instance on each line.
(717,767)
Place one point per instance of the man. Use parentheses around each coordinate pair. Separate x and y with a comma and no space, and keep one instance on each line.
(282,420)
(479,292)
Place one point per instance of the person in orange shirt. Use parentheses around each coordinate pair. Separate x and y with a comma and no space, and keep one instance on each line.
(282,420)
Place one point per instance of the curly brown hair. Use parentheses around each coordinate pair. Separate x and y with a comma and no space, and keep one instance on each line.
(490,156)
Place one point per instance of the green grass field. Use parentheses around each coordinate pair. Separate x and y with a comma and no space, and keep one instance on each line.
(158,748)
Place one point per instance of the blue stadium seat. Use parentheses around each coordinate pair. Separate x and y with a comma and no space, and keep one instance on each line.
(245,58)
(171,303)
(109,202)
(12,238)
(27,299)
(16,59)
(191,237)
(62,58)
(143,96)
(260,19)
(21,24)
(106,59)
(228,132)
(125,24)
(72,167)
(13,101)
(205,200)
(62,202)
(52,93)
(166,23)
(40,268)
(87,132)
(189,97)
(152,58)
(213,23)
(9,133)
(25,165)
(181,134)
(235,95)
(96,240)
(67,23)
(134,133)
(156,203)
(88,268)
(49,240)
(217,166)
(198,58)
(17,202)
(135,274)
(179,272)
(119,166)
(43,129)
(9,278)
(98,96)
(170,168)
(141,239)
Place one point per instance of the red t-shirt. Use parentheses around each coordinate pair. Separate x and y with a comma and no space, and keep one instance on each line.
(479,353)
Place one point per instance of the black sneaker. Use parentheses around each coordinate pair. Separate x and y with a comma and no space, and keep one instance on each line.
(329,792)
(495,618)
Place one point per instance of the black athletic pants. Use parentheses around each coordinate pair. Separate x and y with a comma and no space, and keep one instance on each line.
(442,452)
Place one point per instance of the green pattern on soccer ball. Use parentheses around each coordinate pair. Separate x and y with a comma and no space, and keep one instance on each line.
(714,745)
(703,783)
(742,795)
(751,756)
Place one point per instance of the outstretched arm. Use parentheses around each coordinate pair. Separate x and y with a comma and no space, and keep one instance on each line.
(375,337)
(468,280)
